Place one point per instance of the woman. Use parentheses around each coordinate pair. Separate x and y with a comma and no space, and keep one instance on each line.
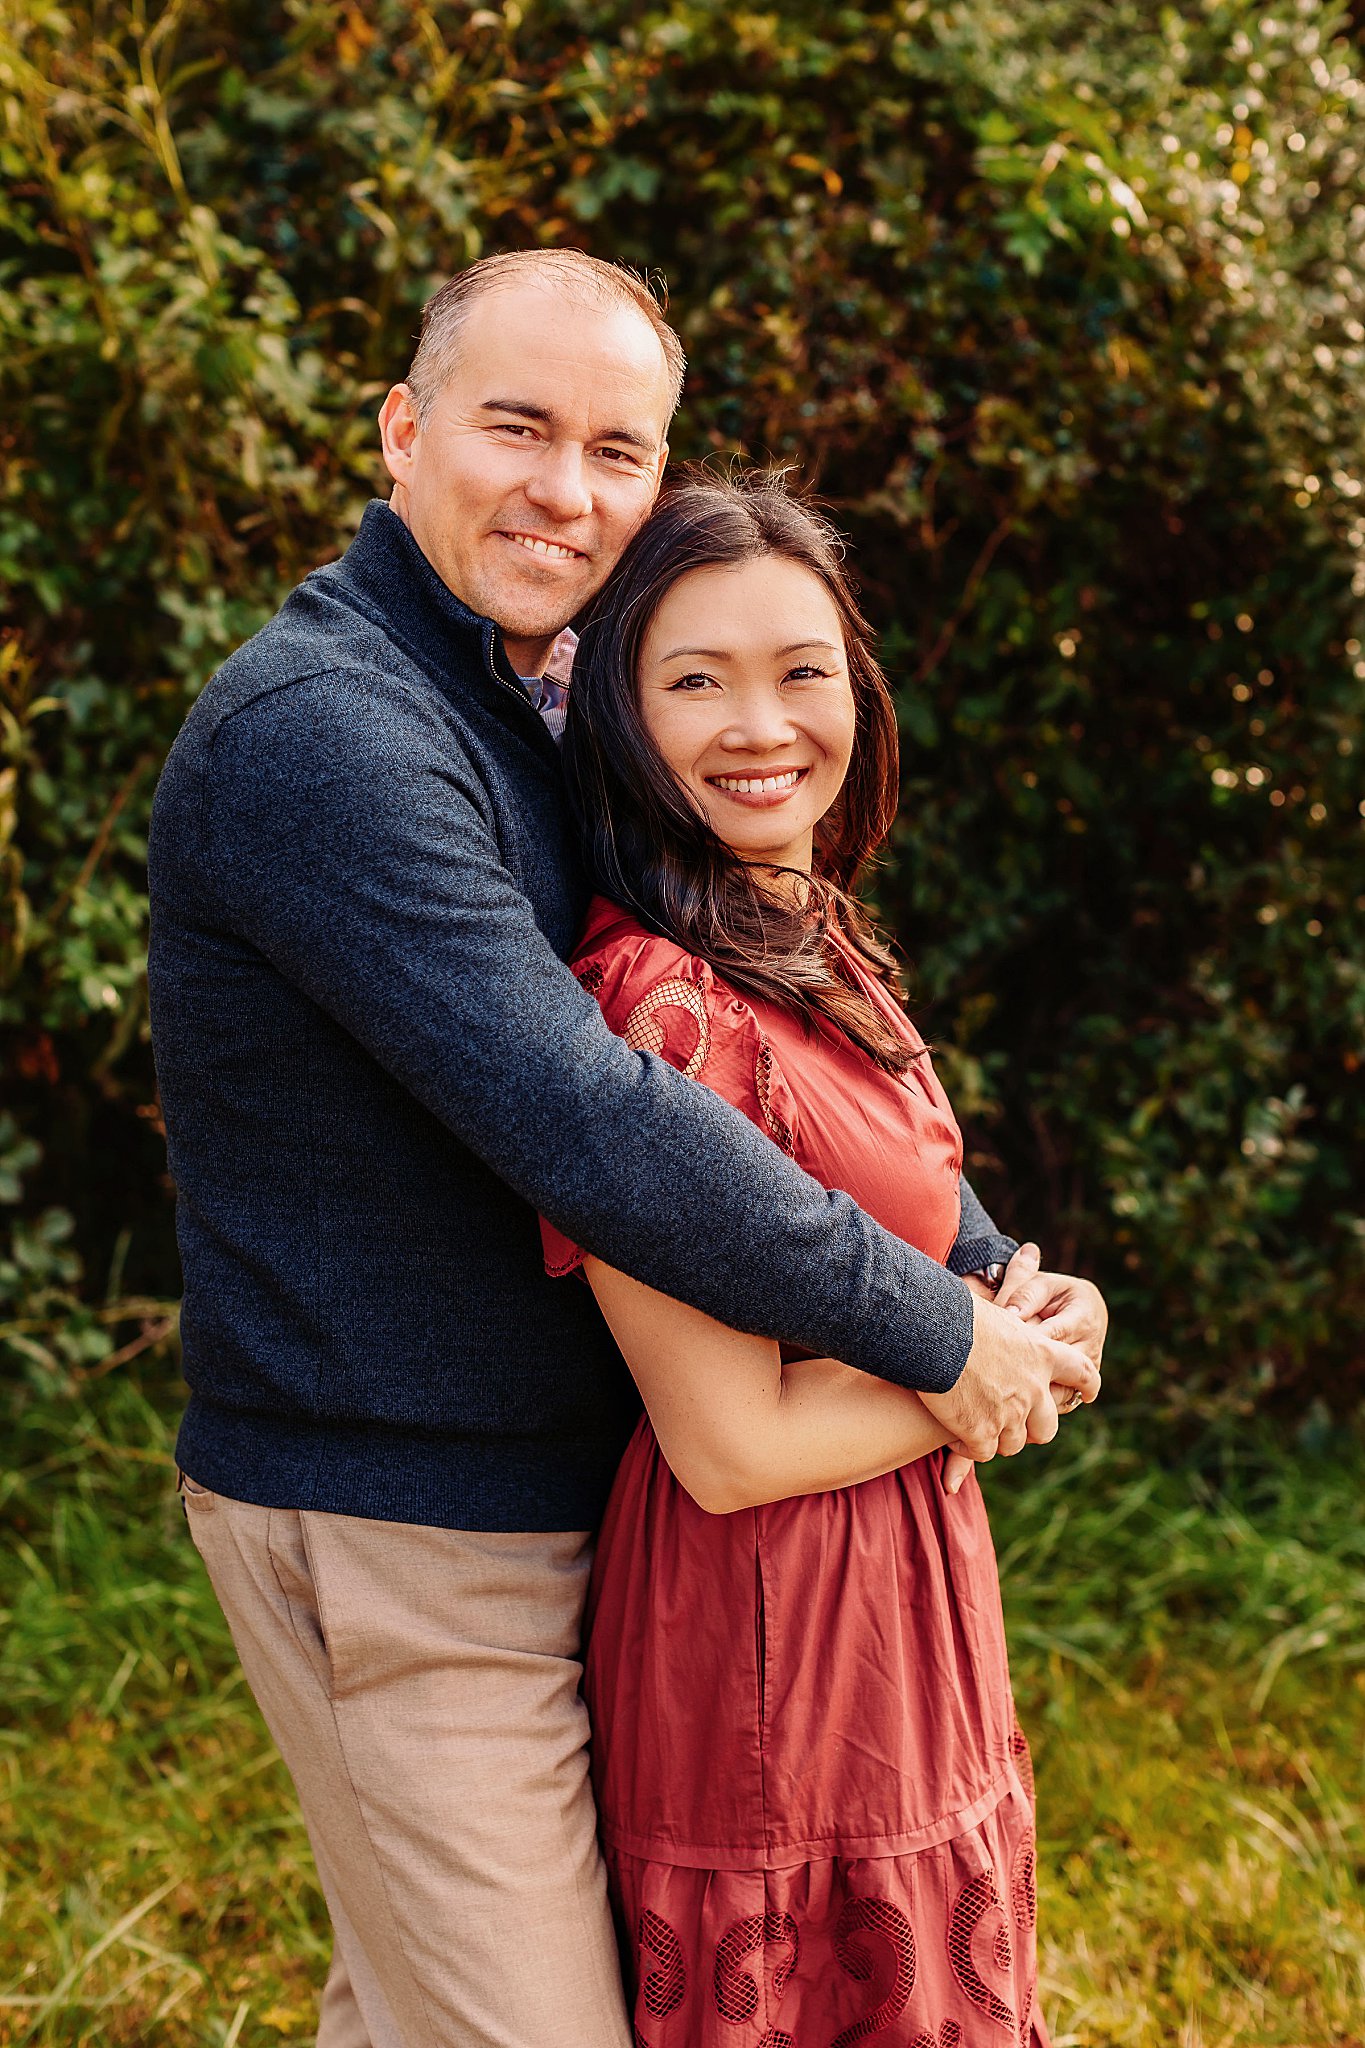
(814,1797)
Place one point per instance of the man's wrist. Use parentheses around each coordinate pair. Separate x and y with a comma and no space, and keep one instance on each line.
(971,1255)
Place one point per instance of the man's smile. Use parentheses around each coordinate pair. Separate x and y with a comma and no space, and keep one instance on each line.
(537,544)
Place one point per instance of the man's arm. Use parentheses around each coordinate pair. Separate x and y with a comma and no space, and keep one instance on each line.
(737,1426)
(337,843)
(979,1244)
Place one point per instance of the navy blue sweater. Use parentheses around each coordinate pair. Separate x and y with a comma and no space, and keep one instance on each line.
(375,1069)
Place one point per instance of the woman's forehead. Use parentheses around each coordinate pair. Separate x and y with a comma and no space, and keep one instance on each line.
(770,604)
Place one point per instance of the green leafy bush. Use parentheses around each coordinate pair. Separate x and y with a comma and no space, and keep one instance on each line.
(1064,306)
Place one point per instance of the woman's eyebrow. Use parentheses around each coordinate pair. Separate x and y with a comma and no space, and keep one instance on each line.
(727,654)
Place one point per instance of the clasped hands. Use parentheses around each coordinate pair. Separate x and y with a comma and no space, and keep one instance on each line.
(1036,1342)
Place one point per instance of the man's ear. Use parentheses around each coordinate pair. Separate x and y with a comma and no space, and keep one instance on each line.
(398,432)
(659,473)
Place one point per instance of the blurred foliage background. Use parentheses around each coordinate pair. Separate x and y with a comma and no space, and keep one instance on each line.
(1062,303)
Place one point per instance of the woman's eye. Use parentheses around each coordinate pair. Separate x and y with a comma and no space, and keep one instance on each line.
(805,674)
(693,682)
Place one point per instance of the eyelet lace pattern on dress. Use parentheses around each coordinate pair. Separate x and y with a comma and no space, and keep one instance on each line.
(736,1992)
(859,1965)
(1023,1761)
(860,1918)
(976,1902)
(644,1031)
(663,1989)
(778,1129)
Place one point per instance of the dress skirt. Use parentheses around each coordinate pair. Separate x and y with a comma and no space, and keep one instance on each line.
(816,1803)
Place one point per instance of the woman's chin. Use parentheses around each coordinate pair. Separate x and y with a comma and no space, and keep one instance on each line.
(765,854)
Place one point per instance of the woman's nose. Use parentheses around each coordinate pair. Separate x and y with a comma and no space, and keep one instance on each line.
(761,726)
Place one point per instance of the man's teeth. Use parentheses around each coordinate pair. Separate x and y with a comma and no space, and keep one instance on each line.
(544,547)
(758,785)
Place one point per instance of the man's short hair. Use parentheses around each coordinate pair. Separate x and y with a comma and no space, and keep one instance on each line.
(587,280)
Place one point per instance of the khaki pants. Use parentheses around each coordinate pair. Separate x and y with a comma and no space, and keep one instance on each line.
(422,1687)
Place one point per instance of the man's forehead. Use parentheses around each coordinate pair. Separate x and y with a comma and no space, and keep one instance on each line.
(562,355)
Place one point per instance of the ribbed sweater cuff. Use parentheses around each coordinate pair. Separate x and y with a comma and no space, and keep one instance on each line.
(969,1255)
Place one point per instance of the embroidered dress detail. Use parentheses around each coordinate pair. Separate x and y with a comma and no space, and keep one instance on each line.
(644,1031)
(779,1131)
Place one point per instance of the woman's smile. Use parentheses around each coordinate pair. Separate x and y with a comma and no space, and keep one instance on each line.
(760,788)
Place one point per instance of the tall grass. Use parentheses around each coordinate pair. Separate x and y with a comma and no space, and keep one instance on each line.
(1189,1655)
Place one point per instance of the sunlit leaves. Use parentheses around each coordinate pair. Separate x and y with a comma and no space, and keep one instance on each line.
(1062,304)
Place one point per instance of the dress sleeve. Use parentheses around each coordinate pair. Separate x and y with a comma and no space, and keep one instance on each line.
(664,1001)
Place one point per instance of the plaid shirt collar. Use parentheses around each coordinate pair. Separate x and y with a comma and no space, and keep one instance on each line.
(549,692)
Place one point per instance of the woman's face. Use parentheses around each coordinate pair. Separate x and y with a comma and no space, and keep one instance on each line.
(744,690)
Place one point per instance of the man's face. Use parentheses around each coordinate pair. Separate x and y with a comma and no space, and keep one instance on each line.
(537,461)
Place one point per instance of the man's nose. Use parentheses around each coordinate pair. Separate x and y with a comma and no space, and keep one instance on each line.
(558,484)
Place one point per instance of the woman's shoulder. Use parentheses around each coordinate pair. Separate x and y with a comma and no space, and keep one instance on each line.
(662,999)
(654,993)
(616,945)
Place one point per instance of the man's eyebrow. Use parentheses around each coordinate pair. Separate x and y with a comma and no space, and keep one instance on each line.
(523,408)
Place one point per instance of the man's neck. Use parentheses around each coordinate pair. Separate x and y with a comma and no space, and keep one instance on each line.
(528,657)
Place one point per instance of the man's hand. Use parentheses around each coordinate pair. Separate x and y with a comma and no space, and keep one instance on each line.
(1003,1398)
(1057,1305)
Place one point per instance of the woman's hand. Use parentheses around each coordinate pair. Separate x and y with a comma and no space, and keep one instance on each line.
(1060,1304)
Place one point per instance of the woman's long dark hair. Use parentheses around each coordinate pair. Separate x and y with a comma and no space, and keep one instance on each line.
(649,844)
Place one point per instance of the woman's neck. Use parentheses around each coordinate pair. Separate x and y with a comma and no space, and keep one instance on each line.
(787,885)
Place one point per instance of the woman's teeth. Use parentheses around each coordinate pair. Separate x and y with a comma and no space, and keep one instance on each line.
(757,785)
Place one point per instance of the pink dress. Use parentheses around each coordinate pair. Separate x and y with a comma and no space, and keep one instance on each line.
(815,1801)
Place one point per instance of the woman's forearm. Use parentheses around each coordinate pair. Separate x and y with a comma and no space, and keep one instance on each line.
(831,1426)
(738,1427)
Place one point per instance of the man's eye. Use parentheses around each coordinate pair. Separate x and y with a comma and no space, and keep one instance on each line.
(623,457)
(516,427)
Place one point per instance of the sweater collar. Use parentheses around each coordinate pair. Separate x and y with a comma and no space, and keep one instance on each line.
(386,573)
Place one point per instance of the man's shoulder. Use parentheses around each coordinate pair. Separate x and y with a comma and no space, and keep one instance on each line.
(321,668)
(314,637)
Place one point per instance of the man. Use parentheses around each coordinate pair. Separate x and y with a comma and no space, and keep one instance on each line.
(375,1070)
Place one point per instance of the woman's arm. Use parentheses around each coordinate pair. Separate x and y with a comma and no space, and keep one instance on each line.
(736,1425)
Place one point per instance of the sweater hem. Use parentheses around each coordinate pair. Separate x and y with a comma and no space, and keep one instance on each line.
(974,1253)
(382,1473)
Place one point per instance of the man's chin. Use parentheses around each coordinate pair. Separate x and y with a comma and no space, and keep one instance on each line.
(518,620)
